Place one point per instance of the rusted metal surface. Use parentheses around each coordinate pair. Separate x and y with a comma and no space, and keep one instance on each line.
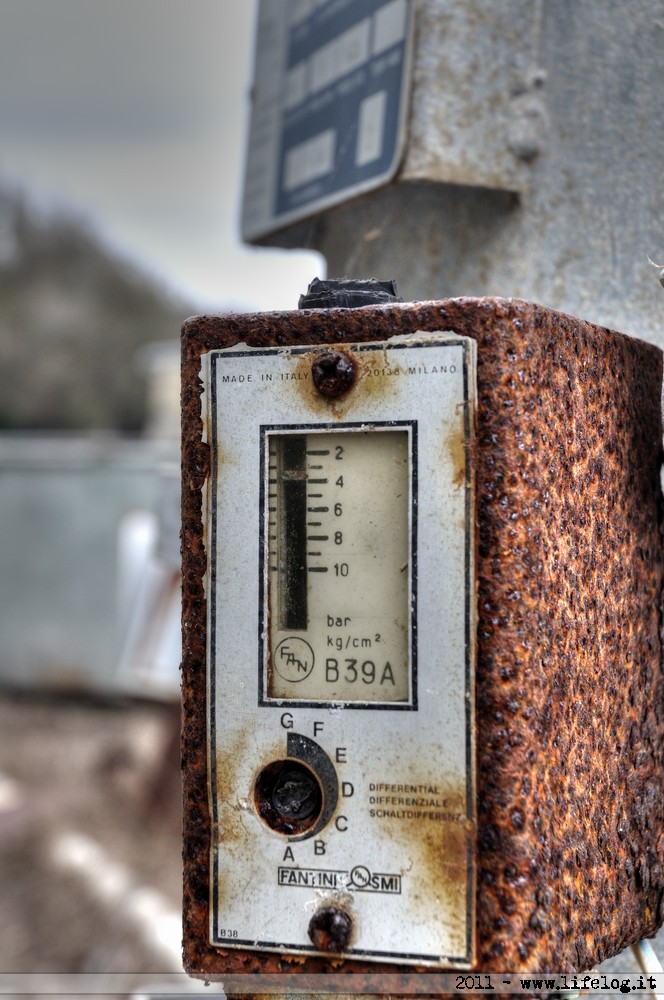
(570,690)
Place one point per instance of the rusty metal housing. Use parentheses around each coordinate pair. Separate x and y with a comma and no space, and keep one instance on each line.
(570,689)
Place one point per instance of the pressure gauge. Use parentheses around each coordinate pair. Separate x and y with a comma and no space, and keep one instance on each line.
(340,594)
(339,564)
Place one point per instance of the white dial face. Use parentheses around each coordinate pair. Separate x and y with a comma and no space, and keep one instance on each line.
(338,548)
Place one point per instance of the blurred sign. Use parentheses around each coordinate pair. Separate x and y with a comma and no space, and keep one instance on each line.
(329,106)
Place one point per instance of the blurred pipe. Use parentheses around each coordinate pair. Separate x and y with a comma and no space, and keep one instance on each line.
(139,908)
(648,961)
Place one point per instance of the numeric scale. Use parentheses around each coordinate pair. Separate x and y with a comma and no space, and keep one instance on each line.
(339,565)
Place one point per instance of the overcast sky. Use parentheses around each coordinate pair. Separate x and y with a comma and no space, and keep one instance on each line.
(133,112)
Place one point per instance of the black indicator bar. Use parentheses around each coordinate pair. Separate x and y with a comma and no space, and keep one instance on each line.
(293,515)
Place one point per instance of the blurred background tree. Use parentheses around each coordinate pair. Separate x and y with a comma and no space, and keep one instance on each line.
(73,315)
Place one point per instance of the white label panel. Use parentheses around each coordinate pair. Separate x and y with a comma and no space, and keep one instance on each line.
(329,106)
(341,638)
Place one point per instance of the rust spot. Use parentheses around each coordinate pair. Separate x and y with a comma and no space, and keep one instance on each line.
(375,376)
(317,403)
(231,822)
(454,444)
(379,376)
(442,854)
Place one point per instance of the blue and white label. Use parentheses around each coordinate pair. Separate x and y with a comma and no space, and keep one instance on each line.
(330,96)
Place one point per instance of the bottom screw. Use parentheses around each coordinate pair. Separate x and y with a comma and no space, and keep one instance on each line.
(330,929)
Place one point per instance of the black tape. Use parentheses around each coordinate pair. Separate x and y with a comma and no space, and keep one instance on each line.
(348,293)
